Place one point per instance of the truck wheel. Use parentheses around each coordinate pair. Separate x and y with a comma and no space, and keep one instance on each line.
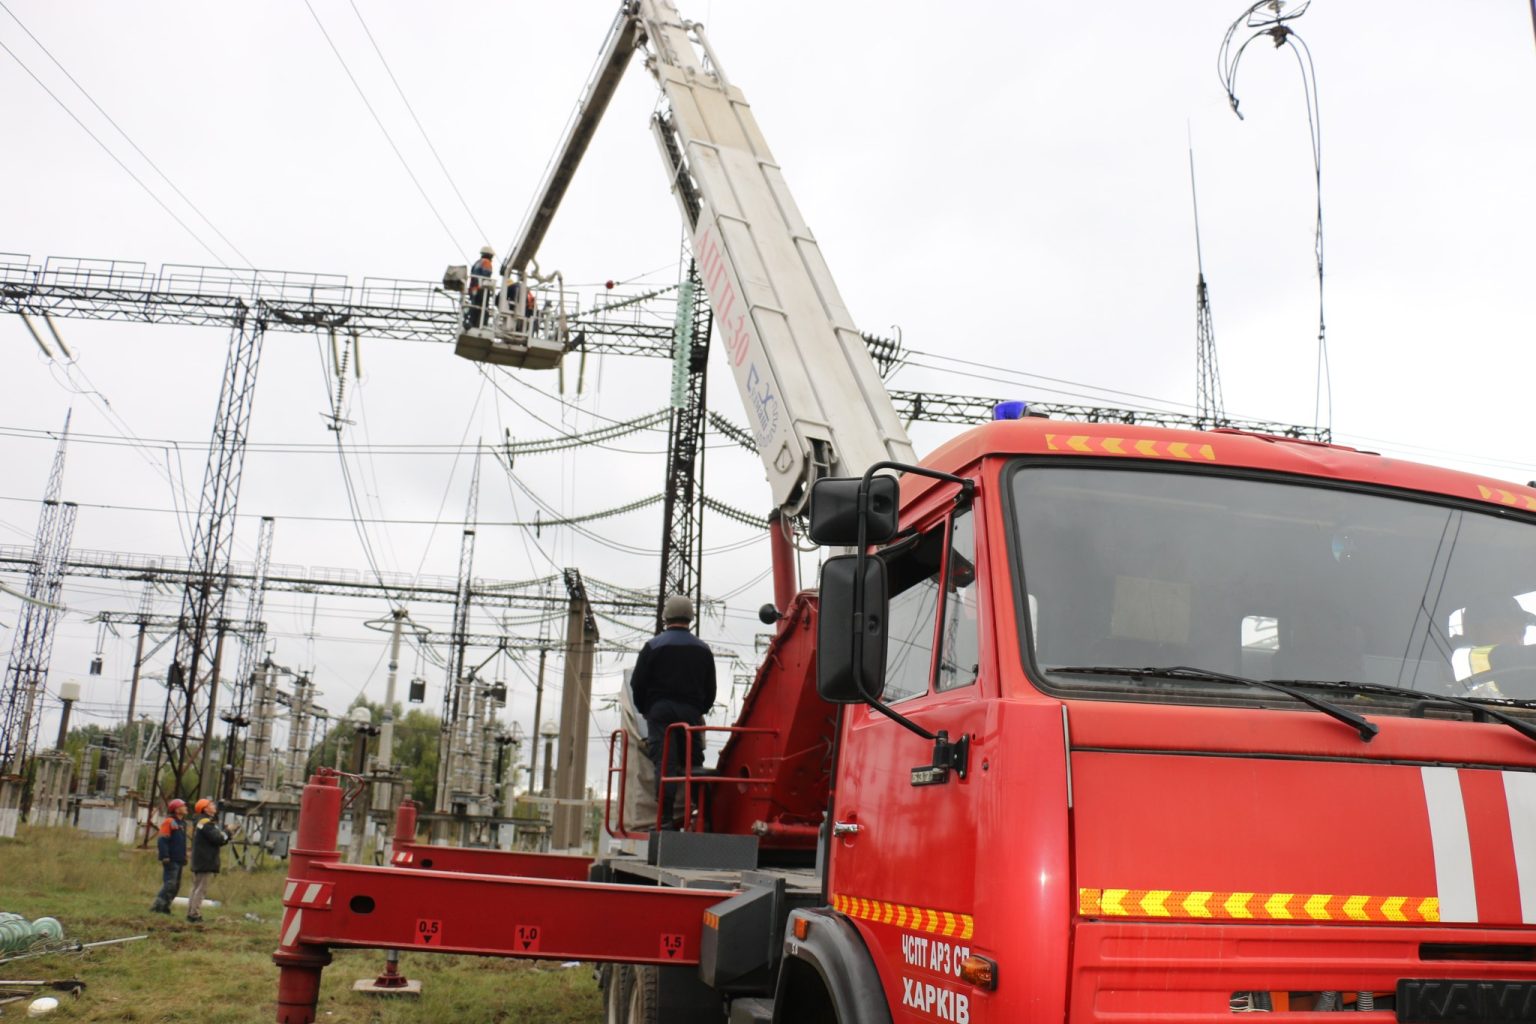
(641,997)
(615,981)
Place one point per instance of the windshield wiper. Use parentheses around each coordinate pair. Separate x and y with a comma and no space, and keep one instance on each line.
(1478,708)
(1361,724)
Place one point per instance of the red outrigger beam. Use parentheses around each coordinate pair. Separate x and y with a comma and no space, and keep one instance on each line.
(404,852)
(509,904)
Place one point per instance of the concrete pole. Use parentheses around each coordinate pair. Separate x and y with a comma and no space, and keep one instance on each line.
(575,716)
(386,752)
(69,693)
(203,780)
(138,663)
(538,714)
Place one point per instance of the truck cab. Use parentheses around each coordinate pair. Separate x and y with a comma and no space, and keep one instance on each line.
(1219,759)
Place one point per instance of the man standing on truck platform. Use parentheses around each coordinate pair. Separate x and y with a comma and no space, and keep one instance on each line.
(673,681)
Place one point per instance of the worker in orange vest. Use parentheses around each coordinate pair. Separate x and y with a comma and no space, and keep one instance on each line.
(479,287)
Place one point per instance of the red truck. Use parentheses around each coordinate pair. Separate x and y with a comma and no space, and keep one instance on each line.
(1195,745)
(1096,722)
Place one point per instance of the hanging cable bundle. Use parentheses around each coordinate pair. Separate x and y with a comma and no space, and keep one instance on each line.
(1270,20)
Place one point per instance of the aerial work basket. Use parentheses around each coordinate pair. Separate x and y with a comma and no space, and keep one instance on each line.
(502,326)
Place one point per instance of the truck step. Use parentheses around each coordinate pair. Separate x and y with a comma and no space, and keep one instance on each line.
(751,1011)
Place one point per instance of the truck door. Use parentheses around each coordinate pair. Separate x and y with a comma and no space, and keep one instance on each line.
(906,874)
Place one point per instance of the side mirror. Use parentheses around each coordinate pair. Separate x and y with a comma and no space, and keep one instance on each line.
(835,510)
(850,653)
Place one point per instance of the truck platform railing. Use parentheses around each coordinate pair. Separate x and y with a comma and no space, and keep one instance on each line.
(619,746)
(328,904)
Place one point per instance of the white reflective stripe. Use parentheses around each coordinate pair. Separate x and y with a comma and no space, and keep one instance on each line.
(311,892)
(1520,795)
(293,929)
(288,892)
(1452,845)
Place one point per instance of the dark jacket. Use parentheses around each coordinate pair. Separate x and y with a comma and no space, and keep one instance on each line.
(172,843)
(674,665)
(207,839)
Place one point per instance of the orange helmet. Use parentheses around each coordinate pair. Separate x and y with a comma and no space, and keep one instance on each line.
(202,805)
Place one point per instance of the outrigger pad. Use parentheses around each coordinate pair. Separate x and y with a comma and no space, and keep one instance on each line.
(732,954)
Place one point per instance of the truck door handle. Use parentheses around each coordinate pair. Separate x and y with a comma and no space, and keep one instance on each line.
(846,828)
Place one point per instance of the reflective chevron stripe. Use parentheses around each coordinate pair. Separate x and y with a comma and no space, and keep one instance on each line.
(1255,906)
(917,919)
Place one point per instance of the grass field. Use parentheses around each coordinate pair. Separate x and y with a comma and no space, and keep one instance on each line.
(221,972)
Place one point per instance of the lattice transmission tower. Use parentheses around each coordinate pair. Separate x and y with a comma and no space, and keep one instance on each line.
(1210,409)
(253,635)
(682,527)
(26,673)
(191,685)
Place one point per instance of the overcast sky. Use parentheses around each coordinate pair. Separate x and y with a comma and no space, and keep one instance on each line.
(1003,183)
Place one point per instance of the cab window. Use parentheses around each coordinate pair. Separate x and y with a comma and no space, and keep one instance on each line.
(960,655)
(932,576)
(913,569)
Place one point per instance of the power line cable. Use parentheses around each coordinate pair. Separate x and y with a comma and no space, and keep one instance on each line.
(419,126)
(127,138)
(457,247)
(117,160)
(442,505)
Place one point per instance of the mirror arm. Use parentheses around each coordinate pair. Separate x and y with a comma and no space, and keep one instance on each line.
(895,716)
(942,745)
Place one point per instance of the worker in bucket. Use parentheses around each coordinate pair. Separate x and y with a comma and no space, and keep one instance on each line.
(479,288)
(673,681)
(1493,637)
(171,845)
(208,838)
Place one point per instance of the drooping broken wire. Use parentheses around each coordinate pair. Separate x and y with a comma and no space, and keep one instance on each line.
(1270,19)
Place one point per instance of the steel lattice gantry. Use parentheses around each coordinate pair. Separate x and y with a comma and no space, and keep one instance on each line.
(398,588)
(401,310)
(385,308)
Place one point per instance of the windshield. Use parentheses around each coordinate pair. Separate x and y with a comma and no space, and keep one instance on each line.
(1270,580)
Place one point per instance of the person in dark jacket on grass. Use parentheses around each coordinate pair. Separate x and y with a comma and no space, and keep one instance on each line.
(208,838)
(172,849)
(673,681)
